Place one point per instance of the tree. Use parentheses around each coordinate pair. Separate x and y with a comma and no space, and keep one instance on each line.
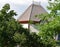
(8,27)
(50,24)
(12,33)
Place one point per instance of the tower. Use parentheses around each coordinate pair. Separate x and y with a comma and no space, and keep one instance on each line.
(29,15)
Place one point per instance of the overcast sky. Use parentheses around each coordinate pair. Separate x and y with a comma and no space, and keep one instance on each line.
(21,5)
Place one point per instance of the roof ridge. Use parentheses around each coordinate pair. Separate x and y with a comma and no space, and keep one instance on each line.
(31,11)
(24,12)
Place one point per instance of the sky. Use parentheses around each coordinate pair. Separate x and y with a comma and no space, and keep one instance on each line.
(21,5)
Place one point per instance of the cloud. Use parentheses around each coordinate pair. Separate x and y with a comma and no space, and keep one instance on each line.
(16,1)
(21,1)
(21,5)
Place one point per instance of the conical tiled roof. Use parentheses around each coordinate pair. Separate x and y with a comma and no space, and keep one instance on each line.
(30,13)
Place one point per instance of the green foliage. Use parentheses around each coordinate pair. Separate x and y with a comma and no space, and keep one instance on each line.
(13,34)
(8,27)
(50,24)
(19,37)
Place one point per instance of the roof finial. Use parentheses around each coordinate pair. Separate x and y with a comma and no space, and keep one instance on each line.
(35,2)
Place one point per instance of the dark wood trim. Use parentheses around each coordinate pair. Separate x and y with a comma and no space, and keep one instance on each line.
(26,22)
